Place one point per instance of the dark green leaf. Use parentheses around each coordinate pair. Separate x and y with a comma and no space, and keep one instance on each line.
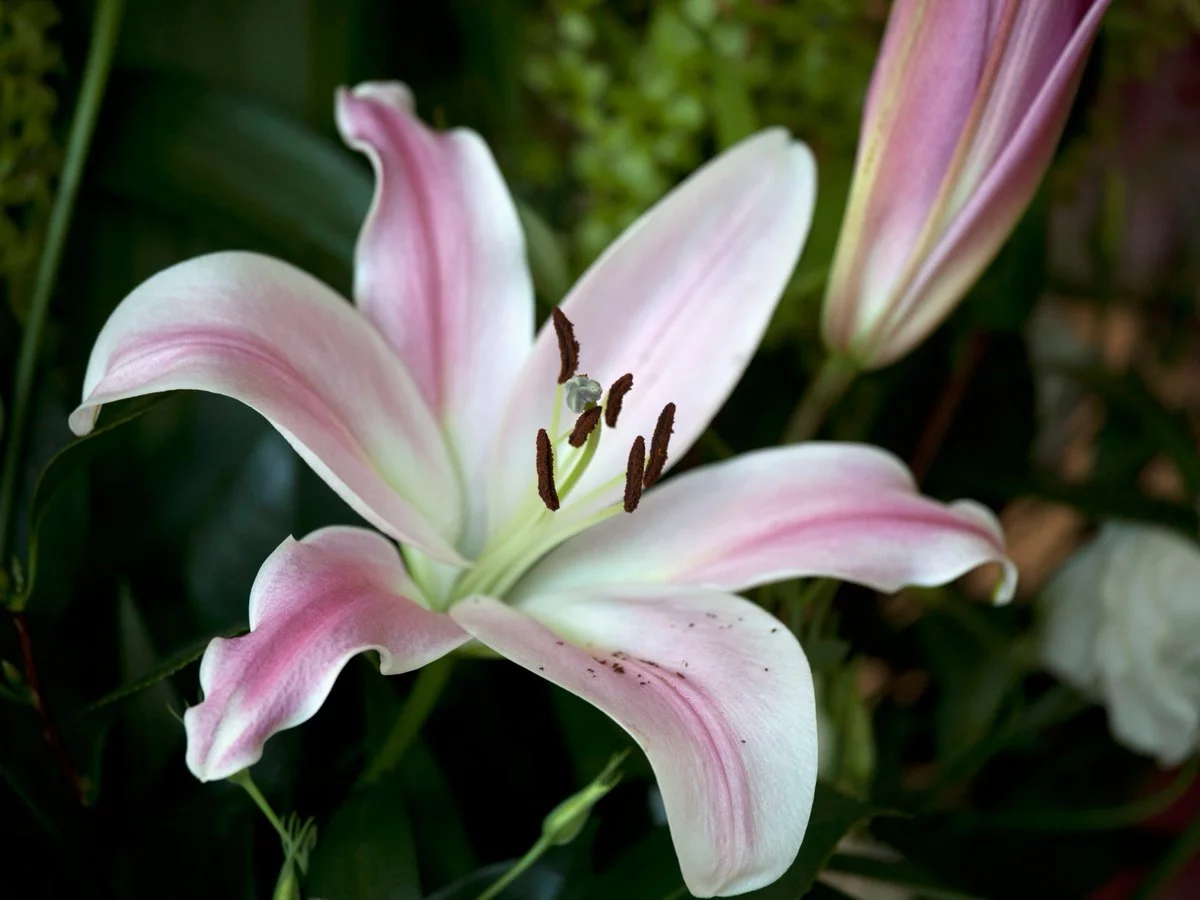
(366,851)
(896,872)
(154,676)
(62,466)
(238,166)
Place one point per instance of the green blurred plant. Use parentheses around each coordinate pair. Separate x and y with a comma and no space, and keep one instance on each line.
(29,155)
(640,93)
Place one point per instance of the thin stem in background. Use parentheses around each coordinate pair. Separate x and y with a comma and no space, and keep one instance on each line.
(948,404)
(831,382)
(518,868)
(105,29)
(428,687)
(1103,819)
(50,732)
(1182,852)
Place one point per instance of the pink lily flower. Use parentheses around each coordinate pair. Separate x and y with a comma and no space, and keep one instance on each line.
(966,106)
(434,411)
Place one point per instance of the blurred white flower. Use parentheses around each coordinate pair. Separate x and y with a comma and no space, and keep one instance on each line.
(1122,623)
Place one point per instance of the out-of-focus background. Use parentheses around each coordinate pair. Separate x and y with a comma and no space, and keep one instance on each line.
(1064,391)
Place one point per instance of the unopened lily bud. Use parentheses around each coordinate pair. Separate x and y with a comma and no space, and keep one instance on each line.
(965,108)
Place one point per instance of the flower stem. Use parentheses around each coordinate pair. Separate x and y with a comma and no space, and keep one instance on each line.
(50,732)
(827,388)
(430,682)
(105,28)
(1103,819)
(1182,852)
(531,856)
(247,784)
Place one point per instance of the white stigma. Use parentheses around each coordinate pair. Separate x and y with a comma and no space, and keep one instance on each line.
(580,391)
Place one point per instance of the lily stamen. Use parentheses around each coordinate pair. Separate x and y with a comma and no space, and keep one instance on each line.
(616,396)
(583,426)
(633,473)
(568,347)
(658,445)
(545,471)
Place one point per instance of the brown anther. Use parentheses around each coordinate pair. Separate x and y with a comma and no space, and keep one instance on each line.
(658,445)
(583,426)
(568,347)
(616,396)
(633,473)
(545,471)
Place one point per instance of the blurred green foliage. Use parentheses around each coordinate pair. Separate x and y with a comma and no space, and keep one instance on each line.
(29,153)
(638,94)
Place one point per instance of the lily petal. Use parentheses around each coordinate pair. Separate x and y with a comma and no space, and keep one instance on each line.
(440,266)
(713,689)
(845,511)
(263,332)
(681,300)
(315,604)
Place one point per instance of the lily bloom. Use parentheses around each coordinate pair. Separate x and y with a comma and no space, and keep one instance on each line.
(432,409)
(965,108)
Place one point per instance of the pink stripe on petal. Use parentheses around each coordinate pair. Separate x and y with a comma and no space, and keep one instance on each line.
(273,337)
(681,301)
(714,690)
(440,265)
(315,604)
(846,511)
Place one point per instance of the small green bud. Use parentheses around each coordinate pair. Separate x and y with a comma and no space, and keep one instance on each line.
(568,818)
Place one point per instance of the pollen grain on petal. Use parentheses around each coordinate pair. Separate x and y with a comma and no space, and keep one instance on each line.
(545,471)
(568,347)
(633,473)
(658,445)
(616,396)
(583,426)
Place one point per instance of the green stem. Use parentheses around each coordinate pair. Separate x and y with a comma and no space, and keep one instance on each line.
(105,28)
(1057,705)
(430,682)
(247,784)
(535,852)
(1106,819)
(1182,852)
(831,382)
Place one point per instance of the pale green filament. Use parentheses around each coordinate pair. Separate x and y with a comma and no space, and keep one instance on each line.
(534,529)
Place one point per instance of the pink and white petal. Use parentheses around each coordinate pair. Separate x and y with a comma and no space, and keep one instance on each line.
(680,300)
(845,511)
(315,604)
(440,266)
(1011,152)
(267,334)
(714,690)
